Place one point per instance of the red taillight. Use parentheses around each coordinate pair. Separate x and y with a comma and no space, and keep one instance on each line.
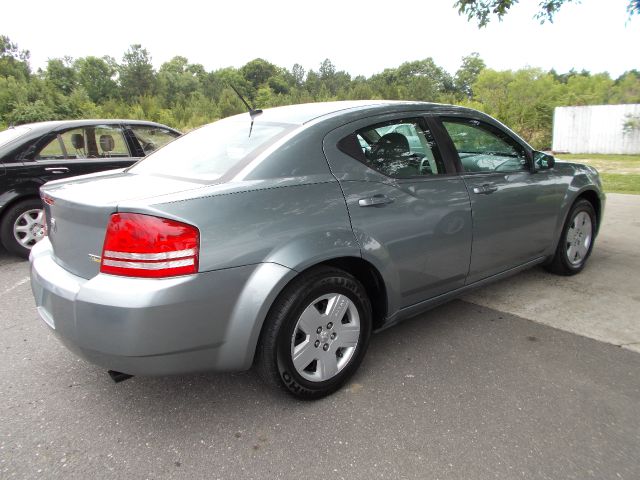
(49,201)
(144,246)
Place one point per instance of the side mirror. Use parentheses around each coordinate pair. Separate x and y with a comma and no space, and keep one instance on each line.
(543,161)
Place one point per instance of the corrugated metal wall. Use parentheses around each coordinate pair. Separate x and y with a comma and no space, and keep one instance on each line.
(595,129)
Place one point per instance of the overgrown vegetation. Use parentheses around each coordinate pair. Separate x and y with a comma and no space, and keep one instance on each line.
(184,95)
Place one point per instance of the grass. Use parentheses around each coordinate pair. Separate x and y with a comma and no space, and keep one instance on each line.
(619,173)
(621,183)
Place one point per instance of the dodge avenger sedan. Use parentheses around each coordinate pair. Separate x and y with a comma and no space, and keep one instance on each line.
(282,239)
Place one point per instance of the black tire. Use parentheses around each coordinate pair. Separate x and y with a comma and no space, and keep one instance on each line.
(274,353)
(561,264)
(7,224)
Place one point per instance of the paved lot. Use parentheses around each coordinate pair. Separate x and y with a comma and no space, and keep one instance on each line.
(464,391)
(602,302)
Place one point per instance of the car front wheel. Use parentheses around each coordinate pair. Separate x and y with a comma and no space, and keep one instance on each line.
(316,334)
(22,227)
(576,240)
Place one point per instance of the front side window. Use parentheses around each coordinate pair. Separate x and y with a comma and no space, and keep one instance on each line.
(152,138)
(399,149)
(482,148)
(211,151)
(99,141)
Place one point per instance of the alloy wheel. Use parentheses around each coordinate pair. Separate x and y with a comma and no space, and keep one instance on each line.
(325,337)
(29,227)
(579,238)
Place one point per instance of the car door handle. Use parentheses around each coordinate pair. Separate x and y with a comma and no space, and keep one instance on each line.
(485,189)
(56,169)
(376,200)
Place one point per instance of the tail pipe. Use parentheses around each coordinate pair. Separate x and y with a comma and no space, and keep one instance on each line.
(118,377)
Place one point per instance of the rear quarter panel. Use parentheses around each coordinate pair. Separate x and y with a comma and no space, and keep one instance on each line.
(278,230)
(291,223)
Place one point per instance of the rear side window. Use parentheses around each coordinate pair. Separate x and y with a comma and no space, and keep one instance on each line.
(483,148)
(99,141)
(152,138)
(399,149)
(213,150)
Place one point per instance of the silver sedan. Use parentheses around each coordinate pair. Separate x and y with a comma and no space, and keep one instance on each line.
(283,238)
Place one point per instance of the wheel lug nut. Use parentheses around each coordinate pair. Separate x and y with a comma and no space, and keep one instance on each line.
(333,335)
(317,344)
(329,326)
(319,330)
(325,347)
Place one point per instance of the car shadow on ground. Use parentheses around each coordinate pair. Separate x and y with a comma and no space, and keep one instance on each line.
(233,393)
(7,258)
(455,344)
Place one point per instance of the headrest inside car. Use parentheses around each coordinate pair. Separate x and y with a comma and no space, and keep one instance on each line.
(106,143)
(77,140)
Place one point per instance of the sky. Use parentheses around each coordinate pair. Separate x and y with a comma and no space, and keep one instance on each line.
(360,37)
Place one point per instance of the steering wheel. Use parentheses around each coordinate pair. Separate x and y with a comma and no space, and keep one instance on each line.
(497,169)
(425,166)
(148,146)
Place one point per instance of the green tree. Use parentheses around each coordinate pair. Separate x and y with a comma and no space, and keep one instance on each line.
(137,77)
(96,77)
(37,111)
(13,61)
(626,88)
(312,83)
(232,76)
(327,69)
(467,74)
(61,75)
(176,81)
(185,95)
(482,10)
(229,103)
(258,72)
(423,80)
(524,100)
(13,92)
(298,74)
(279,83)
(588,89)
(360,90)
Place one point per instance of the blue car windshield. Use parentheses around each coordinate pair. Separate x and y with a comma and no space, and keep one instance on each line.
(10,134)
(213,150)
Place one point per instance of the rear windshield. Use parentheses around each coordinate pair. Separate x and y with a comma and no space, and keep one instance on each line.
(12,133)
(213,150)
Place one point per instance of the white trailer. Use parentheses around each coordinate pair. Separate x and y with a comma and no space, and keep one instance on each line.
(596,129)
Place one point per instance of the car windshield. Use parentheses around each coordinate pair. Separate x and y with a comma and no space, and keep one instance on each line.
(211,151)
(10,134)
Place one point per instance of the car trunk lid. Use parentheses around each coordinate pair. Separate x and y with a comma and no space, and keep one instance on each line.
(78,212)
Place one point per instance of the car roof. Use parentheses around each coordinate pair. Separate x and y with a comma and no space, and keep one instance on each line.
(53,124)
(307,112)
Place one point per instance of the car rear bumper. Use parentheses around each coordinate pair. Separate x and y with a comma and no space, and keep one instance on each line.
(208,321)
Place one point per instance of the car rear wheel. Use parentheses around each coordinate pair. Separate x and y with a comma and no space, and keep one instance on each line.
(22,227)
(576,240)
(316,333)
